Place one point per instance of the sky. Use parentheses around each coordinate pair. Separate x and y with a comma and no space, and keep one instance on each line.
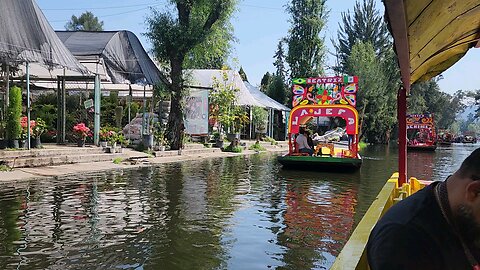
(259,25)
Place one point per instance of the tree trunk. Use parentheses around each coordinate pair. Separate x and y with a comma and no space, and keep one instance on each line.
(175,125)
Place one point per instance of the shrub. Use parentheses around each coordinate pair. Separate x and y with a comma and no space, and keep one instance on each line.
(14,112)
(233,149)
(257,147)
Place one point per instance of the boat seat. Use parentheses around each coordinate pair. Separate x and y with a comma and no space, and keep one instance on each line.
(296,153)
(320,146)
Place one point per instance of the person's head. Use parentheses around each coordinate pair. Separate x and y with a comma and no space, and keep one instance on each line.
(302,130)
(464,196)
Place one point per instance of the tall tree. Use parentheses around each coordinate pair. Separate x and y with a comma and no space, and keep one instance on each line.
(174,35)
(265,82)
(243,75)
(214,51)
(276,89)
(366,25)
(279,62)
(306,48)
(374,100)
(86,22)
(427,97)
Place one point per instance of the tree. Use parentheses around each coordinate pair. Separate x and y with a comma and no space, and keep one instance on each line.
(427,97)
(86,22)
(277,89)
(243,75)
(366,25)
(279,62)
(374,101)
(174,36)
(306,49)
(214,51)
(265,82)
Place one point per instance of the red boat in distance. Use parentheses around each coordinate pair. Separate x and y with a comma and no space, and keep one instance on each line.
(445,138)
(421,132)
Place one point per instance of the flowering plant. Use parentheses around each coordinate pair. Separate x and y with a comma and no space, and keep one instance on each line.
(39,128)
(24,124)
(82,130)
(106,134)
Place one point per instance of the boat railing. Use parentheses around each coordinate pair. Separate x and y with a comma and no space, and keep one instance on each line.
(353,254)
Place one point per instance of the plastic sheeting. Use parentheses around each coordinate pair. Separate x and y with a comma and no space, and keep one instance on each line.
(26,36)
(125,59)
(205,78)
(267,101)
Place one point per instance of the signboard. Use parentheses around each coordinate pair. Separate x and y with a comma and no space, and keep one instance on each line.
(300,115)
(196,113)
(88,103)
(420,121)
(325,91)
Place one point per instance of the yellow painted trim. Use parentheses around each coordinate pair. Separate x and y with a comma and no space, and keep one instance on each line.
(323,106)
(353,254)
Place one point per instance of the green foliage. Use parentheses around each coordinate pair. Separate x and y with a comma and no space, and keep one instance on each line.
(40,128)
(4,168)
(279,62)
(86,22)
(257,147)
(375,101)
(270,140)
(278,89)
(175,35)
(427,97)
(259,118)
(243,74)
(118,160)
(233,149)
(266,79)
(14,112)
(306,49)
(367,25)
(214,52)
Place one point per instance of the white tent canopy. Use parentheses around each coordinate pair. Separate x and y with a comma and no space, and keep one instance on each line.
(269,102)
(204,78)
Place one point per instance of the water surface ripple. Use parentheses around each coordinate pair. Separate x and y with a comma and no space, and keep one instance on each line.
(232,213)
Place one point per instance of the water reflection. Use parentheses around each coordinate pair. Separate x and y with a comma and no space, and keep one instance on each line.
(233,213)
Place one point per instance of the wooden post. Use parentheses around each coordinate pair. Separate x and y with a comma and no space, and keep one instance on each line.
(402,135)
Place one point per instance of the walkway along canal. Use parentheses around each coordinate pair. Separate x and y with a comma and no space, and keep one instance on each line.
(243,212)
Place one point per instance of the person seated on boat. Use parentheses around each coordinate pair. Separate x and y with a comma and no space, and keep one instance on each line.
(436,228)
(309,139)
(302,142)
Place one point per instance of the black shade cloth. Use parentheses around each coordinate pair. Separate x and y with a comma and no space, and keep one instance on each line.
(26,36)
(125,58)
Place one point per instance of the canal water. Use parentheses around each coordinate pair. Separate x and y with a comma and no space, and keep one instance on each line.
(231,213)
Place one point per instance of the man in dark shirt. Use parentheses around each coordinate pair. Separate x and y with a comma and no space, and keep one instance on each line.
(435,228)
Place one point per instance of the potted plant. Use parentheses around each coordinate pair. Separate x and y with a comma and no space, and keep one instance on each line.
(104,136)
(14,112)
(148,137)
(238,120)
(82,132)
(159,136)
(259,119)
(24,133)
(218,137)
(39,128)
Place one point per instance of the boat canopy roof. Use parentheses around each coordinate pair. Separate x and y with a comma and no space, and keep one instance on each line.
(324,97)
(431,36)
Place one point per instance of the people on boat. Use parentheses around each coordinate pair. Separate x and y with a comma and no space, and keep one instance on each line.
(302,142)
(436,228)
(309,139)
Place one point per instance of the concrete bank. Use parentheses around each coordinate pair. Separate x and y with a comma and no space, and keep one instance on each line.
(134,161)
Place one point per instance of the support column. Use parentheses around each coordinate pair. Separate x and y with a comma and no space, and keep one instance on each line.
(97,97)
(7,86)
(29,135)
(144,120)
(402,135)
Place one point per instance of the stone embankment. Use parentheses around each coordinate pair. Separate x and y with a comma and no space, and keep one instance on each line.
(64,161)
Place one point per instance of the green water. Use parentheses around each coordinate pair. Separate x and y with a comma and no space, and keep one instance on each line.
(231,213)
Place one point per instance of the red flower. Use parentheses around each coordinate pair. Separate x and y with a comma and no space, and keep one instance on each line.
(82,130)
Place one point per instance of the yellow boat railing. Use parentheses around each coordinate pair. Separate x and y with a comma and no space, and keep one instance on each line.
(353,254)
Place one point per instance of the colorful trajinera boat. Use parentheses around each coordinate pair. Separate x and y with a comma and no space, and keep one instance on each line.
(324,97)
(421,132)
(445,138)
